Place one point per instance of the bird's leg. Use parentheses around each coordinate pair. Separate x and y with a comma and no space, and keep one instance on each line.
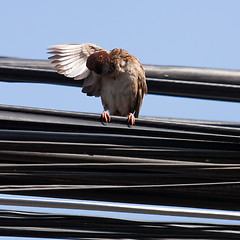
(131,119)
(105,117)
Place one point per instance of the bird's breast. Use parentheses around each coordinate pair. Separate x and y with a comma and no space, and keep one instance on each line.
(118,93)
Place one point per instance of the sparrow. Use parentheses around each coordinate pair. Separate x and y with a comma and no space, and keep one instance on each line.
(116,76)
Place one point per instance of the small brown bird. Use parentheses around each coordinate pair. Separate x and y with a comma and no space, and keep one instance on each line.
(117,76)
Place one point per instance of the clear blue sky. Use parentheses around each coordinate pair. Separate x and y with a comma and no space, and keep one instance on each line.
(203,33)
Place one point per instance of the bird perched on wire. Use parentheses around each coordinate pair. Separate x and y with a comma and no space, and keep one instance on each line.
(116,76)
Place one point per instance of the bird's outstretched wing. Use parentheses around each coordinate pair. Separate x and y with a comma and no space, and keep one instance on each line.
(70,59)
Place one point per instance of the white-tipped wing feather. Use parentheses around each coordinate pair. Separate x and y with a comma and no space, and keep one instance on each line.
(70,59)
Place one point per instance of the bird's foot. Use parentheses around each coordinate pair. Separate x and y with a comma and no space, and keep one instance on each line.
(105,117)
(131,120)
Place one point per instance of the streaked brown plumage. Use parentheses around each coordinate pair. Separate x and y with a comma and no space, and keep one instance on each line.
(117,76)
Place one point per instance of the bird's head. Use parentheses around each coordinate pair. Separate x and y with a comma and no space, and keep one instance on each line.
(100,62)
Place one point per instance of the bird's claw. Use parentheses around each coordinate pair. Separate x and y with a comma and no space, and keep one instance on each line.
(105,117)
(131,120)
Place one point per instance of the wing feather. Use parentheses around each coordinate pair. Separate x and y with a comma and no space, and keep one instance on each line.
(70,59)
(65,61)
(74,72)
(71,63)
(92,85)
(142,90)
